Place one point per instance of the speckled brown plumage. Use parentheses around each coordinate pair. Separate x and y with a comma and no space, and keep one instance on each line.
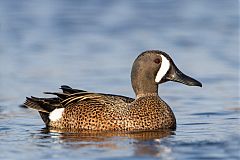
(95,111)
(103,113)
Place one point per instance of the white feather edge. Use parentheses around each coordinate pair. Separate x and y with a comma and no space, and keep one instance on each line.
(163,69)
(56,114)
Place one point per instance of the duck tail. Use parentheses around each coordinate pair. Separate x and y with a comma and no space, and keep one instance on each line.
(41,106)
(37,104)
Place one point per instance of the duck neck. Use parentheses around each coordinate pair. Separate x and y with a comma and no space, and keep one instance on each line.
(143,83)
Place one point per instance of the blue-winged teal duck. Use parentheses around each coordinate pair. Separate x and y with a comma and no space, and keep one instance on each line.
(79,109)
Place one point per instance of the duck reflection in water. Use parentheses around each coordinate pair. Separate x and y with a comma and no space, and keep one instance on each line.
(143,143)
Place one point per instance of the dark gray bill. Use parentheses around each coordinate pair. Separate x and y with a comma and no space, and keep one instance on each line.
(174,74)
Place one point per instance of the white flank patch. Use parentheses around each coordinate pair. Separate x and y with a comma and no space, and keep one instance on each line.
(163,69)
(56,114)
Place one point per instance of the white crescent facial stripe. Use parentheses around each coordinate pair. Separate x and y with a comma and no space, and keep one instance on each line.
(163,69)
(56,114)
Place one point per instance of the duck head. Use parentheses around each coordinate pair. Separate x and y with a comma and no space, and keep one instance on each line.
(154,67)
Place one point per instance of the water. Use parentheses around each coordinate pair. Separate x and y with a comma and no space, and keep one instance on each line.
(91,45)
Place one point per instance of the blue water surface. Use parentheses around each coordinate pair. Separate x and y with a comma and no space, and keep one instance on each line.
(91,45)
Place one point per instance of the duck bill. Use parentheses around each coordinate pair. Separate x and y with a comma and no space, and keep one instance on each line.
(174,74)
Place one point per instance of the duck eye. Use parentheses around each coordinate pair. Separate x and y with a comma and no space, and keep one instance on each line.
(157,60)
